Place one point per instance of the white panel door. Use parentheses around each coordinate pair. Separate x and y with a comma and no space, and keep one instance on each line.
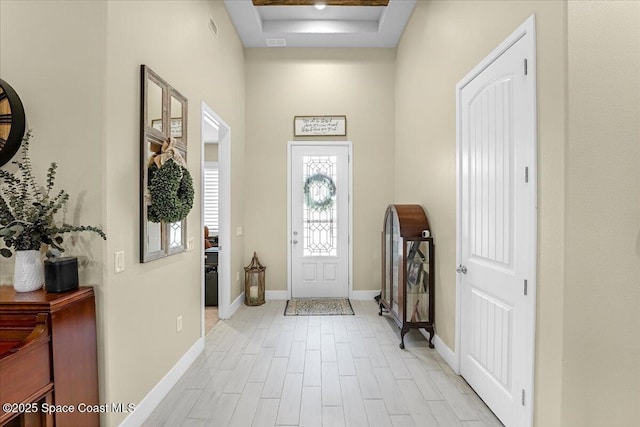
(319,231)
(496,232)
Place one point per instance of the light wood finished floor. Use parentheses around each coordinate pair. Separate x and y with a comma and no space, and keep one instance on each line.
(210,318)
(261,368)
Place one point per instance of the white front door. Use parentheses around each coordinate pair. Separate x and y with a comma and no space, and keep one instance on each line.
(496,234)
(319,226)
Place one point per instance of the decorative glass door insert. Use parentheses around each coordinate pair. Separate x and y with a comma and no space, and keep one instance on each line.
(320,213)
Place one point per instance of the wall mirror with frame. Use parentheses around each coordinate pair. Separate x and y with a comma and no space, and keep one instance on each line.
(163,121)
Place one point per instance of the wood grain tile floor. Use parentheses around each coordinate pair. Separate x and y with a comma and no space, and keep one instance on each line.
(210,318)
(260,368)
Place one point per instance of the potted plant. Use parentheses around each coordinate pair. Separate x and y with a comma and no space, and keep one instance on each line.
(27,220)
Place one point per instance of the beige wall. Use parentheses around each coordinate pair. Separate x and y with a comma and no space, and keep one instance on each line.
(283,83)
(76,66)
(171,37)
(443,42)
(601,375)
(60,79)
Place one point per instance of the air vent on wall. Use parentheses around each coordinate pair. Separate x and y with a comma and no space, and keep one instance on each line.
(213,27)
(276,42)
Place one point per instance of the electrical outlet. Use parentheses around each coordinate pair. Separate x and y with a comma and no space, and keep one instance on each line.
(179,323)
(119,262)
(190,243)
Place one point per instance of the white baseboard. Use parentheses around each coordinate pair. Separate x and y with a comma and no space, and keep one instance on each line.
(235,305)
(364,295)
(157,393)
(355,295)
(276,295)
(443,350)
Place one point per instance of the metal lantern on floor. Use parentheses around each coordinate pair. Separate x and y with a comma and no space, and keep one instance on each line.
(254,282)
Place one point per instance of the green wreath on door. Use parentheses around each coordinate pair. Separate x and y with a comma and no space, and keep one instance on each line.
(321,204)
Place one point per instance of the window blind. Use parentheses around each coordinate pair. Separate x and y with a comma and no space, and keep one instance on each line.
(211,197)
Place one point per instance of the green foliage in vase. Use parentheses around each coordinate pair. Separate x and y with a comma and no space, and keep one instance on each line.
(27,210)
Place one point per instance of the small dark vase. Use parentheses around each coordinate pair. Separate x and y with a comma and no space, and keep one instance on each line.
(61,274)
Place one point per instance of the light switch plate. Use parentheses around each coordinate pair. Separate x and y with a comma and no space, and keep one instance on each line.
(190,243)
(119,261)
(238,231)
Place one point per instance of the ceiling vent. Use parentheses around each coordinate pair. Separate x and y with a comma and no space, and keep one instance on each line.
(213,27)
(276,42)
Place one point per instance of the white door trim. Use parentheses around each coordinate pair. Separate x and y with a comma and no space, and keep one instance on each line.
(528,27)
(349,145)
(224,236)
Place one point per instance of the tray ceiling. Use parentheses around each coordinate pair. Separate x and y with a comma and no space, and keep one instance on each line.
(298,23)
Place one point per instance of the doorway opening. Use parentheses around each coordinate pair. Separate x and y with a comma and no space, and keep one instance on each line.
(215,216)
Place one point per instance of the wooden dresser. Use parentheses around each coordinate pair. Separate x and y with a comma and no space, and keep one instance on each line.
(71,359)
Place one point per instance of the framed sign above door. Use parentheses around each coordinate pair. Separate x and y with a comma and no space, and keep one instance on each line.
(320,126)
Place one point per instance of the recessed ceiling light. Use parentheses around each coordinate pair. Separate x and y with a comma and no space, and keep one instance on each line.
(320,5)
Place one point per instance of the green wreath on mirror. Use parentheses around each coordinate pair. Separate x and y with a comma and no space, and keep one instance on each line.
(324,181)
(171,189)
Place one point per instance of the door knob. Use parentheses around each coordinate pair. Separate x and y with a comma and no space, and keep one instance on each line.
(461,269)
(295,242)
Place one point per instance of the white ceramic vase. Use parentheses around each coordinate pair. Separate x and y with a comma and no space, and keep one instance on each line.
(29,271)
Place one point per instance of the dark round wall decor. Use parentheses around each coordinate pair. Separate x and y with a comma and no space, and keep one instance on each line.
(12,122)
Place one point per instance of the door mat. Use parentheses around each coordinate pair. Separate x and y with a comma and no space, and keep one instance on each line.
(318,307)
